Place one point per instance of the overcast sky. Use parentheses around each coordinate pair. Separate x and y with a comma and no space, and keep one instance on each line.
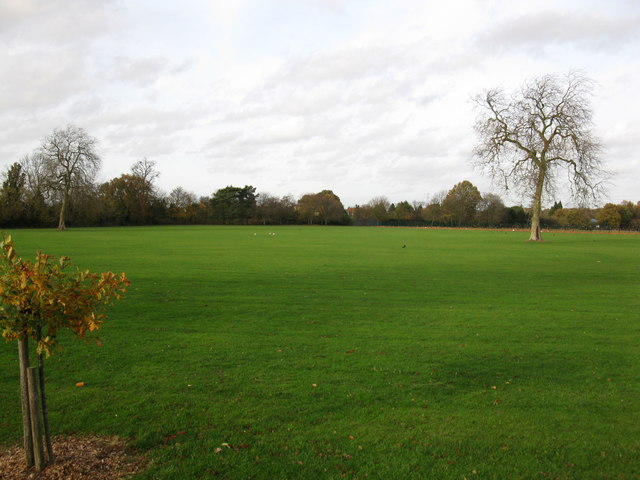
(364,97)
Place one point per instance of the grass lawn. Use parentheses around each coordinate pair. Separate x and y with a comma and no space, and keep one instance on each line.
(354,353)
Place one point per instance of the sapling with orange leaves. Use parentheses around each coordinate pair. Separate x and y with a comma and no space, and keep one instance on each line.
(38,299)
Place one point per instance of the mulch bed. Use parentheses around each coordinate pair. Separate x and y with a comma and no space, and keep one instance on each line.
(77,458)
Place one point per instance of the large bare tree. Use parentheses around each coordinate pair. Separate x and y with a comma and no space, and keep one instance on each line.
(529,139)
(71,162)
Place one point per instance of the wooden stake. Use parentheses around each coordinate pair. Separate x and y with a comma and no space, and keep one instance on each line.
(43,402)
(23,355)
(36,423)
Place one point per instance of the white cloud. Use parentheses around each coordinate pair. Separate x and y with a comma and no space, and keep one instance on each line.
(540,32)
(55,23)
(363,97)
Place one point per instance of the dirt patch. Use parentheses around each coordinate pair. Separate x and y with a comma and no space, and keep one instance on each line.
(77,458)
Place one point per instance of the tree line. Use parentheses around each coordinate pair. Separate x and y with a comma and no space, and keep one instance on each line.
(37,192)
(464,206)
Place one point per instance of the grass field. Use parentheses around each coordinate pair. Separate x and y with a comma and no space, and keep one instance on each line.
(337,353)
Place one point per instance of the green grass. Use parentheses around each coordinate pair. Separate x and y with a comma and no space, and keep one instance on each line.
(336,353)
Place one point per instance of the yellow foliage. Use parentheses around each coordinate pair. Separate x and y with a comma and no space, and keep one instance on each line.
(41,296)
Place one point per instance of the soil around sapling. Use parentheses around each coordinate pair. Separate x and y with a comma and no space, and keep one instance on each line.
(77,458)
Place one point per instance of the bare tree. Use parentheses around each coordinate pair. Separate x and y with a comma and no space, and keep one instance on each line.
(432,211)
(70,161)
(272,210)
(34,167)
(179,198)
(544,129)
(181,205)
(145,169)
(37,189)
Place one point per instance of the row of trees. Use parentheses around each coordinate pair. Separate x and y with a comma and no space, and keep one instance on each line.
(30,198)
(464,205)
(32,195)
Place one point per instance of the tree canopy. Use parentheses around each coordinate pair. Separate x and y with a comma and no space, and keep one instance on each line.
(323,207)
(461,202)
(232,205)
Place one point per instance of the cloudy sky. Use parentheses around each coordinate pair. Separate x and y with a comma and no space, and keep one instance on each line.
(364,97)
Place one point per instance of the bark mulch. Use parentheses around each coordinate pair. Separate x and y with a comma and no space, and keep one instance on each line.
(77,458)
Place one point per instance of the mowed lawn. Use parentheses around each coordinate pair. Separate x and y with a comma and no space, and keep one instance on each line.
(321,352)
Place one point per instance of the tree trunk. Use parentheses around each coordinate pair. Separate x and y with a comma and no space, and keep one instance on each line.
(63,208)
(23,354)
(536,235)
